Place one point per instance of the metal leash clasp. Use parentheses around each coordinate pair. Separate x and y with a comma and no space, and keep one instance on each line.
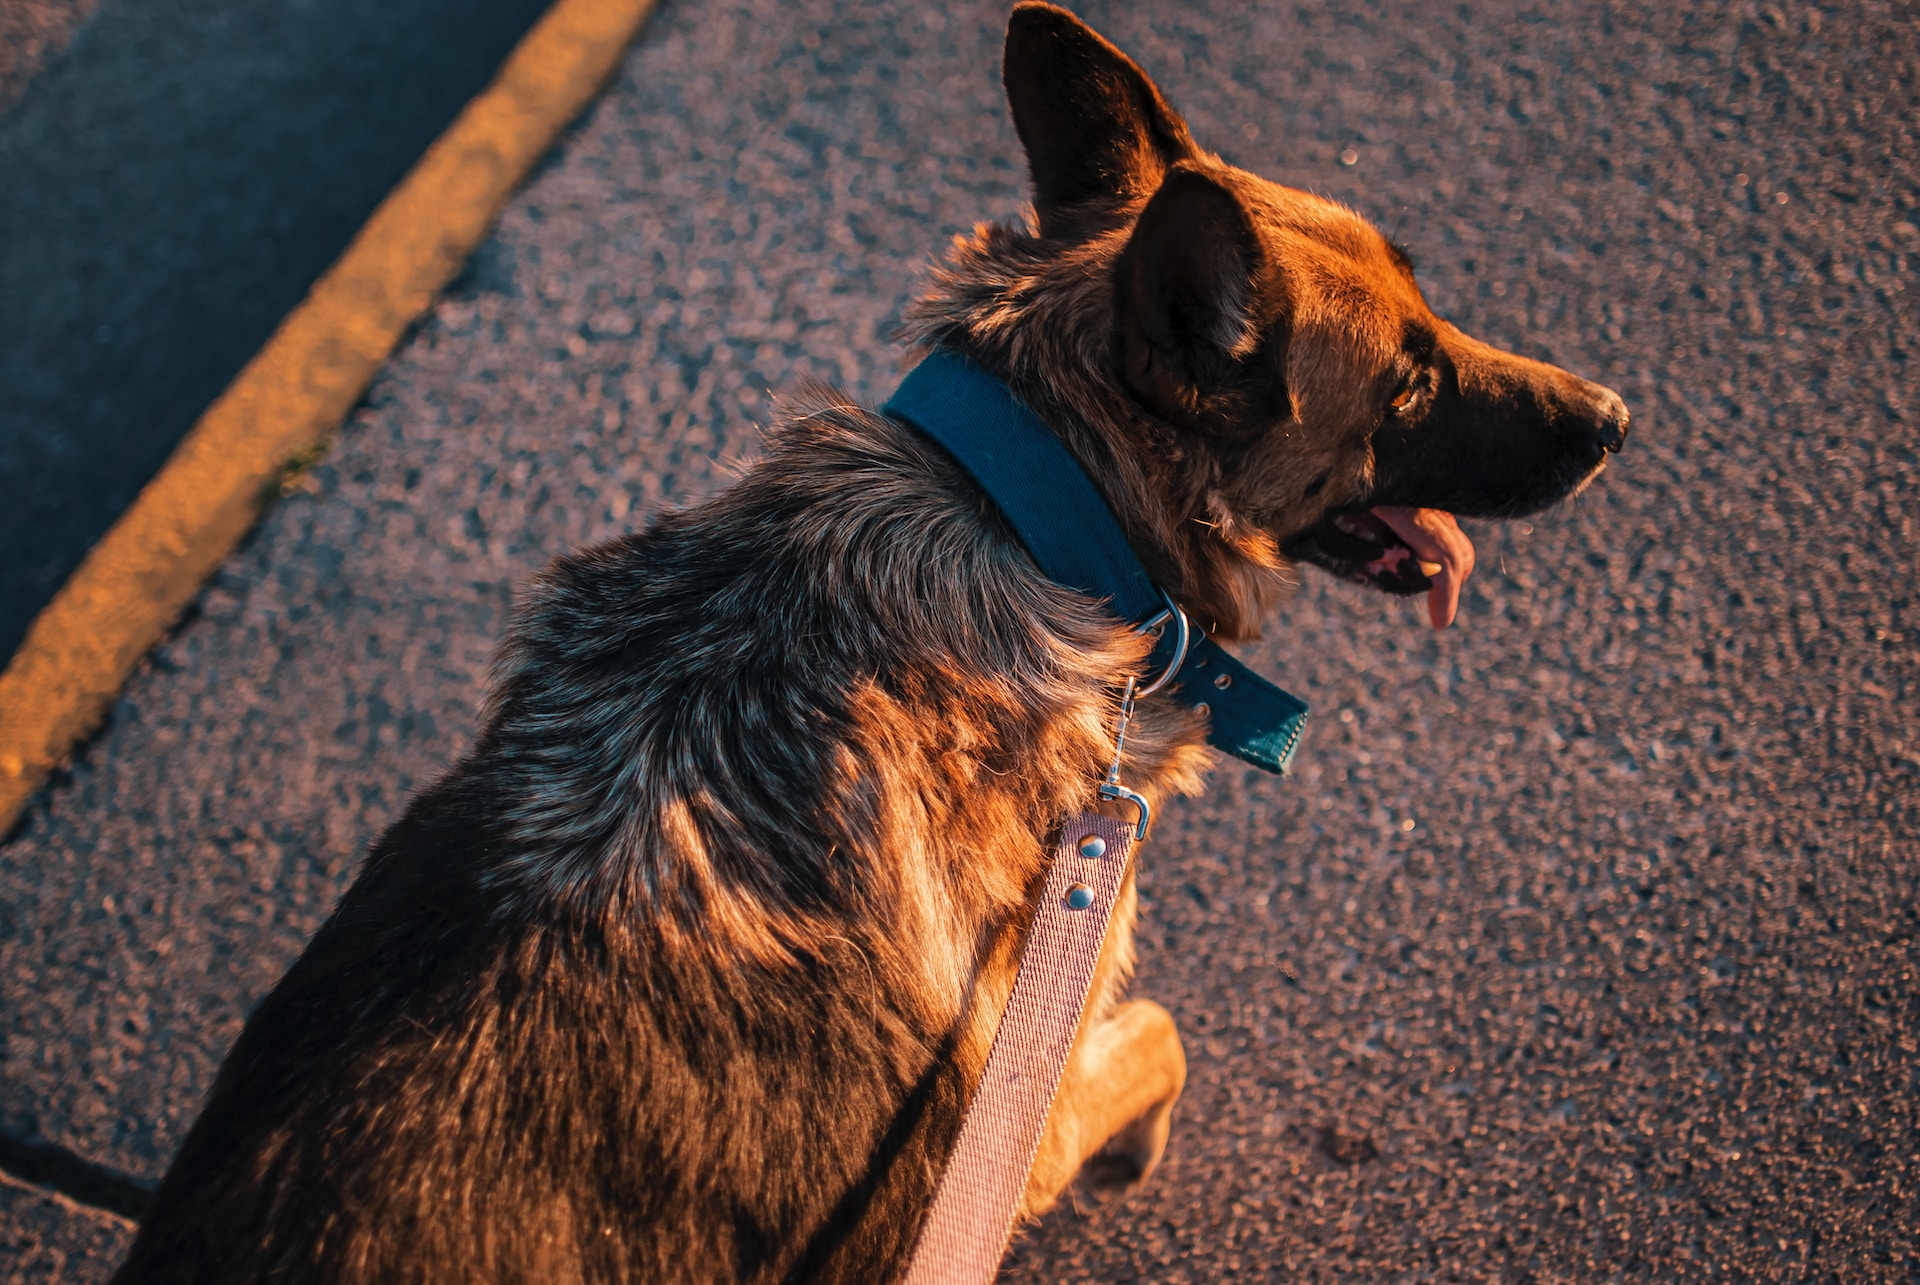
(1111,789)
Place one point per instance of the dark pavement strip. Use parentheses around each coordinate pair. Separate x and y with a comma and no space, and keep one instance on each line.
(1582,947)
(174,182)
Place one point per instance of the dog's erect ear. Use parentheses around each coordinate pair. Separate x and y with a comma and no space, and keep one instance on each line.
(1198,303)
(1092,122)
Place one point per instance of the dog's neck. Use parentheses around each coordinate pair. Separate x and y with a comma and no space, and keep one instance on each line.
(1040,315)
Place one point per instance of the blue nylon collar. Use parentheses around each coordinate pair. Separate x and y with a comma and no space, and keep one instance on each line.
(1060,516)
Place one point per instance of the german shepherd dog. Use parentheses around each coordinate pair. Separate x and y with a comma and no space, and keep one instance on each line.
(686,971)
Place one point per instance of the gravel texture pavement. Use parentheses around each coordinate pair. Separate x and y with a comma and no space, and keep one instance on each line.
(46,1238)
(1581,947)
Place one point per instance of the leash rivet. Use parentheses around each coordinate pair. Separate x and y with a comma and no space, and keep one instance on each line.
(1079,897)
(1093,847)
(1223,680)
(1203,708)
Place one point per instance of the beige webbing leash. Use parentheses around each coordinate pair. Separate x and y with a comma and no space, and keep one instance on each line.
(966,1233)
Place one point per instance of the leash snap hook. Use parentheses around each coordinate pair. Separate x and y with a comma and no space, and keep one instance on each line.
(1111,789)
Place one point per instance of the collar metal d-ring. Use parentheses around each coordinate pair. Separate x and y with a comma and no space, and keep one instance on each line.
(1181,637)
(1111,787)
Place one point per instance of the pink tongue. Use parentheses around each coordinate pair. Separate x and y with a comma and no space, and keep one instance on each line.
(1434,536)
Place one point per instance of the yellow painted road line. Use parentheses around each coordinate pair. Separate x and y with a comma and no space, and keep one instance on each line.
(281,408)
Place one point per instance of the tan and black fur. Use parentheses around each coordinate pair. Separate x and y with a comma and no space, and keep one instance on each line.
(684,973)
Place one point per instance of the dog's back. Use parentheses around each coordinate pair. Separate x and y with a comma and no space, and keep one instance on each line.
(625,996)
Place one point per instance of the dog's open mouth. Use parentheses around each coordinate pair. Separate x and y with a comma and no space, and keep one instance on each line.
(1403,551)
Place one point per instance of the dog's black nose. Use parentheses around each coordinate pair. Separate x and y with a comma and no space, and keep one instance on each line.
(1610,413)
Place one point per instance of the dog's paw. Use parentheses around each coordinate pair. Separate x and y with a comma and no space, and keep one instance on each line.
(1130,1156)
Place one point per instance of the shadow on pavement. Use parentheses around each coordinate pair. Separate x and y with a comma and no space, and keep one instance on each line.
(175,182)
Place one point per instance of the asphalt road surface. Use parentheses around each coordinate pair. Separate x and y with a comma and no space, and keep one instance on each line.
(173,176)
(1581,947)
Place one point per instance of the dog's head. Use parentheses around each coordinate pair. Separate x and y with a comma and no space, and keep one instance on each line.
(1283,390)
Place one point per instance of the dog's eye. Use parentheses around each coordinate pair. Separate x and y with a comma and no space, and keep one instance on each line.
(1415,387)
